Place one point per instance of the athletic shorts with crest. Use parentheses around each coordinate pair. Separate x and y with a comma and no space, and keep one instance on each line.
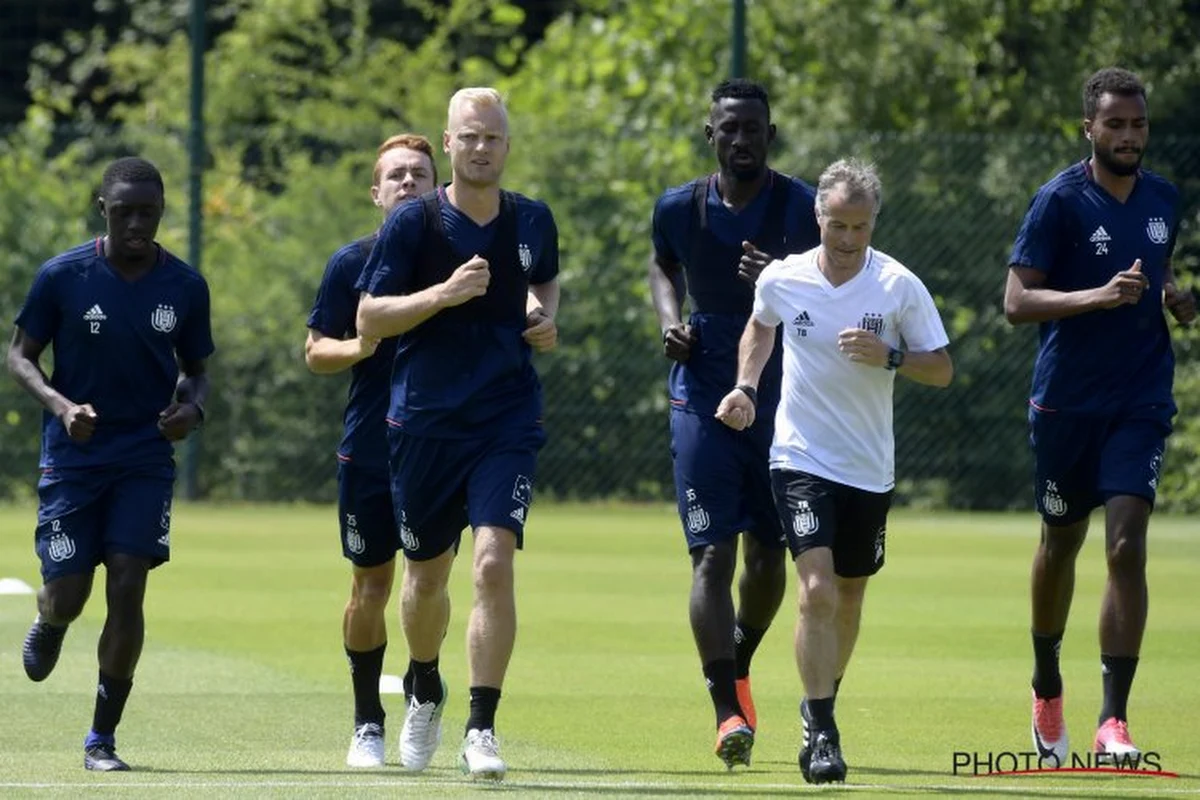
(365,515)
(1080,462)
(817,512)
(722,482)
(85,515)
(441,486)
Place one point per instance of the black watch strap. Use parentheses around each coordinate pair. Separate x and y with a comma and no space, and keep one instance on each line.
(750,392)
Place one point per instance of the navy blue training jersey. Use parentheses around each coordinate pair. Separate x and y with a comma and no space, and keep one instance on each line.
(364,440)
(466,371)
(115,343)
(781,220)
(1080,236)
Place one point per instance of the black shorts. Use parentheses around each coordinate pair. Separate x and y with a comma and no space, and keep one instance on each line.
(817,512)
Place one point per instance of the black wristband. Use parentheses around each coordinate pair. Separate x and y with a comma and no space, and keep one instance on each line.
(750,392)
(895,358)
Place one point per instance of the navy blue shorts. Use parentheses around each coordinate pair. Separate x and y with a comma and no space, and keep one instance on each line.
(440,486)
(85,515)
(365,515)
(722,481)
(1081,462)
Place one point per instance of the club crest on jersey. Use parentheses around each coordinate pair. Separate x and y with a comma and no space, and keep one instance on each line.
(163,319)
(1052,501)
(526,257)
(1156,229)
(804,521)
(872,323)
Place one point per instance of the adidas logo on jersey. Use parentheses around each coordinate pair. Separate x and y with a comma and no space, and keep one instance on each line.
(94,314)
(802,322)
(1100,235)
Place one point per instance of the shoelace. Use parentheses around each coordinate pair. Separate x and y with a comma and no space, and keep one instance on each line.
(421,718)
(486,742)
(368,731)
(1048,722)
(1121,733)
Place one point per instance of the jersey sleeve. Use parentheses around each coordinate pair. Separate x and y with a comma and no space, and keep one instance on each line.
(334,309)
(764,295)
(664,251)
(391,265)
(41,314)
(546,268)
(920,323)
(1039,240)
(195,337)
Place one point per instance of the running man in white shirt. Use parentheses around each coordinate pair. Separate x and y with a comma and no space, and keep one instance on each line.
(853,318)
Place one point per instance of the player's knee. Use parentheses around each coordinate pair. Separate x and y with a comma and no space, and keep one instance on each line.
(423,581)
(1063,543)
(371,590)
(765,564)
(62,605)
(1126,553)
(714,564)
(125,584)
(493,572)
(818,596)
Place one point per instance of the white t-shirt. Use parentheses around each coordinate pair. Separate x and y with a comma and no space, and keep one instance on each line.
(835,417)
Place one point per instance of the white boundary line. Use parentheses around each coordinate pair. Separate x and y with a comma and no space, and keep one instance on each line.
(1027,786)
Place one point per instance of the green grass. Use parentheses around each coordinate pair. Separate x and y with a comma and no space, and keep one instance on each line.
(243,688)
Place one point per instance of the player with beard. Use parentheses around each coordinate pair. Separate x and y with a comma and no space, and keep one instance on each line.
(703,233)
(1092,265)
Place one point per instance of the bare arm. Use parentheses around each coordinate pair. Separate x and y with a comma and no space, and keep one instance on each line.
(668,287)
(754,349)
(667,290)
(543,297)
(1180,302)
(933,368)
(186,412)
(541,305)
(1027,300)
(326,355)
(392,315)
(24,354)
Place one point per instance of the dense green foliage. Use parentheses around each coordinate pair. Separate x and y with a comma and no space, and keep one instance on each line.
(967,108)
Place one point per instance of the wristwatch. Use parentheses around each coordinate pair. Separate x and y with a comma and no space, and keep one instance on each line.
(895,358)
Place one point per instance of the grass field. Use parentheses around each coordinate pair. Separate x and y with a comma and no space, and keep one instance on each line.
(243,688)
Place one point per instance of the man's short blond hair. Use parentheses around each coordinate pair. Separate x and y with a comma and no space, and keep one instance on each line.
(484,96)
